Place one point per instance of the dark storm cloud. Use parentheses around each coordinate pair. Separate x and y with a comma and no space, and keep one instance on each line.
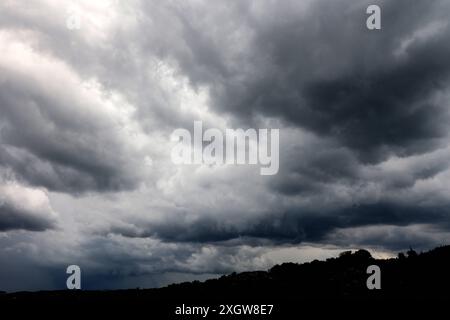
(363,118)
(369,94)
(13,218)
(318,165)
(387,108)
(59,141)
(289,227)
(68,176)
(317,66)
(394,238)
(306,169)
(24,208)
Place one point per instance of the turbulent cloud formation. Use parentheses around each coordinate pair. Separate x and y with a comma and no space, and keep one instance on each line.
(57,133)
(91,91)
(25,208)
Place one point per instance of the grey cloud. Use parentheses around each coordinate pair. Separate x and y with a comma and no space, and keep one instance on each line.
(25,209)
(12,218)
(308,167)
(318,67)
(291,227)
(395,238)
(59,141)
(362,114)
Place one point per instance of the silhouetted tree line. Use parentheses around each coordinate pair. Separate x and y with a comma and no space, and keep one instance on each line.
(337,282)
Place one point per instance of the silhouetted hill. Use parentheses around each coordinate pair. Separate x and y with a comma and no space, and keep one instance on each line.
(409,282)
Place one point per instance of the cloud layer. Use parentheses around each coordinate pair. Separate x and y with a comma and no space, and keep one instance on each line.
(86,117)
(25,208)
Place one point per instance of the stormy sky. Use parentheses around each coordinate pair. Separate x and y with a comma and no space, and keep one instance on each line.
(87,110)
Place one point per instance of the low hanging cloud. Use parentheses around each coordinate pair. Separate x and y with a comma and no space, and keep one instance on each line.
(24,208)
(87,113)
(317,67)
(64,133)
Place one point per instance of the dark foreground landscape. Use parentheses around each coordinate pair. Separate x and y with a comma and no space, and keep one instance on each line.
(410,284)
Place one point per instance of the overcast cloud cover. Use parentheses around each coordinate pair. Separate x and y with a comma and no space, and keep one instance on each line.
(86,115)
